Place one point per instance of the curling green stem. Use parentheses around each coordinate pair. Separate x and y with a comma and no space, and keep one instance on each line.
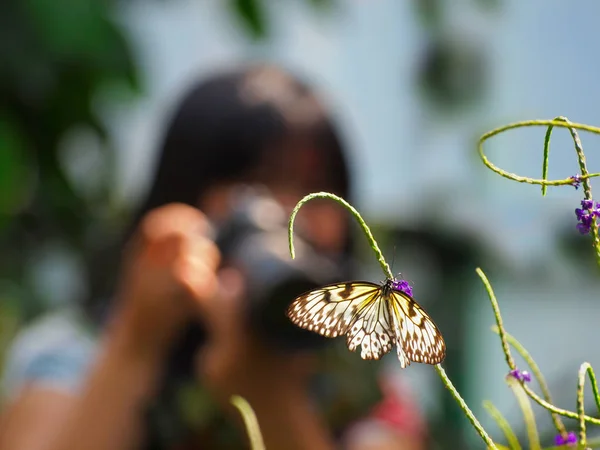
(503,424)
(251,422)
(544,182)
(537,373)
(505,347)
(463,405)
(583,369)
(563,412)
(532,123)
(587,187)
(357,216)
(546,158)
(578,151)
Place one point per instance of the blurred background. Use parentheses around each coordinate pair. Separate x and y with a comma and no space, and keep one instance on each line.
(86,86)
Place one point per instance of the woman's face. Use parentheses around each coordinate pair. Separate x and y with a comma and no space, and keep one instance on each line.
(323,222)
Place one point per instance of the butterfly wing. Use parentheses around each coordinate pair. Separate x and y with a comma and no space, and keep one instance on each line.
(417,337)
(371,320)
(356,309)
(397,320)
(372,329)
(331,309)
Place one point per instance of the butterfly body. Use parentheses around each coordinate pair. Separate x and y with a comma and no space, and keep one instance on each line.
(373,317)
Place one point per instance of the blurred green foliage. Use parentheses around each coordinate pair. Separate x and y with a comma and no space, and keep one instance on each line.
(55,58)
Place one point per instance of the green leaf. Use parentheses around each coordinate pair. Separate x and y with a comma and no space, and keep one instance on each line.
(14,171)
(252,15)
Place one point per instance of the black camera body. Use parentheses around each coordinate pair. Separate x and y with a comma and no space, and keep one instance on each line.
(254,240)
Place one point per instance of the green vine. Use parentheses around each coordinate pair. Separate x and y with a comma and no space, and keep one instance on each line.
(505,338)
(515,378)
(584,369)
(584,178)
(372,242)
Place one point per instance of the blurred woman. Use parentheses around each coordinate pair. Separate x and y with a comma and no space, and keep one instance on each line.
(121,387)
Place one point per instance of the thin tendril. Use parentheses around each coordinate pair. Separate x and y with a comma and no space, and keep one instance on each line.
(505,347)
(372,242)
(532,123)
(563,412)
(544,182)
(546,158)
(587,186)
(503,424)
(583,369)
(525,405)
(463,405)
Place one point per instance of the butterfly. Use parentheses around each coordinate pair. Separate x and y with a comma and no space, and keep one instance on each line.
(373,317)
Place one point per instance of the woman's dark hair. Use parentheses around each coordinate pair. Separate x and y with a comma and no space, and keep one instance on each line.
(227,123)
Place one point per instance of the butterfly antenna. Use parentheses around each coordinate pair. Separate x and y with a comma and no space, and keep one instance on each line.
(393,258)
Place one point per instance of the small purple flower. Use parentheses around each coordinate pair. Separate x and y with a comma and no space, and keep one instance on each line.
(586,215)
(587,203)
(570,440)
(402,286)
(576,181)
(582,228)
(523,376)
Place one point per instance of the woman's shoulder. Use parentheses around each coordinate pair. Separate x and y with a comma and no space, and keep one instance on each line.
(54,350)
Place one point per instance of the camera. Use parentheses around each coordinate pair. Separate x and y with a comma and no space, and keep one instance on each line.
(254,240)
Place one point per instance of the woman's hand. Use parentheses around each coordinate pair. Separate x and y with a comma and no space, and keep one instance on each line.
(170,265)
(235,362)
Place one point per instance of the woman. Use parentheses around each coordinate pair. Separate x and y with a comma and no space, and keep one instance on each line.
(73,390)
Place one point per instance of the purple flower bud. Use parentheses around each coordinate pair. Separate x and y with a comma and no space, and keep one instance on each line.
(521,376)
(583,229)
(586,215)
(570,440)
(576,181)
(403,286)
(515,374)
(587,220)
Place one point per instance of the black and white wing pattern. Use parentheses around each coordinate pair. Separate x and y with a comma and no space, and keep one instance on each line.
(418,339)
(373,318)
